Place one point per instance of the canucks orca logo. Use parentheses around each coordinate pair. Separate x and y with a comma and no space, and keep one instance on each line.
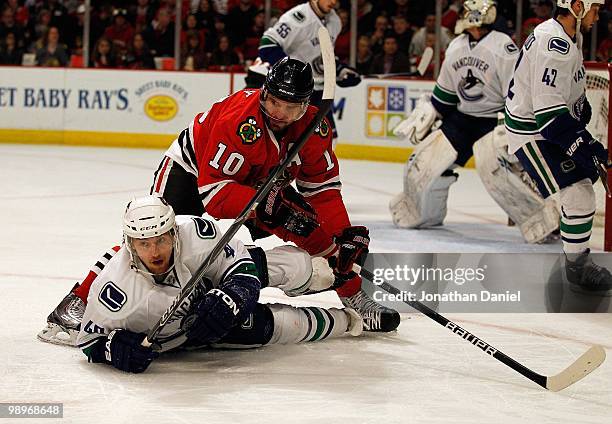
(470,87)
(248,131)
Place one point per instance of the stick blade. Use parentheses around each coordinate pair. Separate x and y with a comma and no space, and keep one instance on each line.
(329,63)
(581,367)
(425,61)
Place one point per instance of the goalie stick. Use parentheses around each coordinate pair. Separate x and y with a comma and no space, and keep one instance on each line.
(421,68)
(576,371)
(329,75)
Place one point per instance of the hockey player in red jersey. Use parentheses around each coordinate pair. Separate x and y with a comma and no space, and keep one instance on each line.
(216,164)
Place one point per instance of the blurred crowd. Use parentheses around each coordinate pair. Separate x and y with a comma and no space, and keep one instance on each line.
(223,35)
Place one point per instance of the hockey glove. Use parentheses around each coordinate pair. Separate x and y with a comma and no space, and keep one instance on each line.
(576,142)
(352,246)
(347,76)
(221,309)
(123,350)
(285,207)
(586,112)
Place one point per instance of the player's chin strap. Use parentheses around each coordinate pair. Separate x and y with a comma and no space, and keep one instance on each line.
(578,22)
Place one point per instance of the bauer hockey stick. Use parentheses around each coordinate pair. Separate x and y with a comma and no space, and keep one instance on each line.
(576,371)
(421,68)
(329,75)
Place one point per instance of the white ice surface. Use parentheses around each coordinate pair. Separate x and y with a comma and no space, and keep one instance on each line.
(61,208)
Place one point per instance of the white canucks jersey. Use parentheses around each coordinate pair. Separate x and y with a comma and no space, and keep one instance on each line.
(122,297)
(475,75)
(549,80)
(296,32)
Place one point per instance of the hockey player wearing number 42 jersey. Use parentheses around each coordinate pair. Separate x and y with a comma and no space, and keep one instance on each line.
(216,164)
(468,96)
(546,117)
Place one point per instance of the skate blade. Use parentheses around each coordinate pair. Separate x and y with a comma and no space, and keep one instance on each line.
(594,293)
(56,334)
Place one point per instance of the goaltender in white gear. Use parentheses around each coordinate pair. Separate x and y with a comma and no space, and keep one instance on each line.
(135,289)
(468,96)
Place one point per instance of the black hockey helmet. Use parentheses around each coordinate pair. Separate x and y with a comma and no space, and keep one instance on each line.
(290,80)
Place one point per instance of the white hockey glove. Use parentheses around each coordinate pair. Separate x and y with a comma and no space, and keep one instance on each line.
(420,121)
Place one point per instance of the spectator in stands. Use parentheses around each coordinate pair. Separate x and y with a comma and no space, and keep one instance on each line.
(450,13)
(224,58)
(160,34)
(212,38)
(420,38)
(20,12)
(403,33)
(413,10)
(250,50)
(141,14)
(366,16)
(52,53)
(9,24)
(604,50)
(391,60)
(120,33)
(191,26)
(43,22)
(543,11)
(206,16)
(193,56)
(103,55)
(138,55)
(342,47)
(239,19)
(10,53)
(101,18)
(377,37)
(364,55)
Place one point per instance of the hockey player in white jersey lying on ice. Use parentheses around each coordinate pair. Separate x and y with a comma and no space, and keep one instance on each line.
(159,254)
(468,96)
(546,117)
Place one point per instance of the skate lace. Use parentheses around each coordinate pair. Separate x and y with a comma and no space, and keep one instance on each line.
(362,302)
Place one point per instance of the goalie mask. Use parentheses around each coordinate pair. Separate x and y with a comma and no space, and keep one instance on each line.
(150,234)
(476,13)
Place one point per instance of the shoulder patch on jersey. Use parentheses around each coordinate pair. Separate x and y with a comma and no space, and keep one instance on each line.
(298,16)
(204,228)
(112,297)
(511,48)
(558,45)
(248,130)
(322,129)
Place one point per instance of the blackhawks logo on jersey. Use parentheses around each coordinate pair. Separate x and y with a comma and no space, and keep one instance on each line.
(322,129)
(248,131)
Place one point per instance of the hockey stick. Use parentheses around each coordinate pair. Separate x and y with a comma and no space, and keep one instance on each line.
(421,68)
(576,371)
(329,67)
(602,170)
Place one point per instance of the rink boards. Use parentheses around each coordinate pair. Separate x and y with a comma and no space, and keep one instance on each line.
(125,108)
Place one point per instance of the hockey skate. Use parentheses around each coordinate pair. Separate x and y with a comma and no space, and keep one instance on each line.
(64,323)
(587,277)
(376,318)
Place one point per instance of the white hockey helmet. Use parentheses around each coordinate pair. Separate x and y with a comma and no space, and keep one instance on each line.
(144,217)
(567,4)
(476,13)
(147,216)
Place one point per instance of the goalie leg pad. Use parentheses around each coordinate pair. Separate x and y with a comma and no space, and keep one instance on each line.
(512,188)
(427,179)
(295,325)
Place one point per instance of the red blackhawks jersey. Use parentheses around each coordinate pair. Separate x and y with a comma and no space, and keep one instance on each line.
(230,150)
